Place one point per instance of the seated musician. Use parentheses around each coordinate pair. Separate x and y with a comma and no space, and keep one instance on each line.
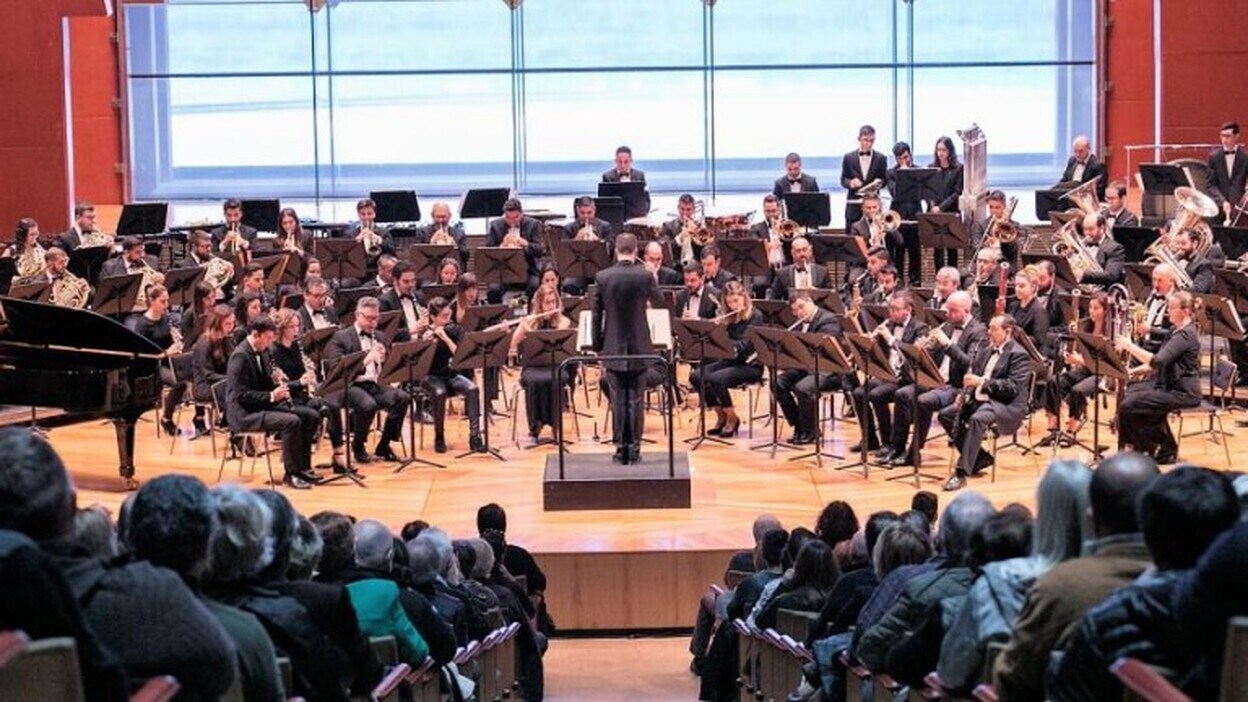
(870,227)
(287,355)
(1083,165)
(133,259)
(767,230)
(366,396)
(625,173)
(233,237)
(794,180)
(444,381)
(697,300)
(1046,286)
(195,318)
(83,229)
(1118,214)
(68,290)
(653,259)
(586,227)
(252,284)
(900,326)
(255,403)
(802,274)
(1075,384)
(1197,266)
(987,232)
(405,296)
(712,271)
(986,270)
(1110,255)
(1175,384)
(377,240)
(467,294)
(993,393)
(211,353)
(795,390)
(536,377)
(948,281)
(721,376)
(247,308)
(1027,310)
(384,280)
(317,311)
(449,271)
(516,230)
(909,211)
(945,159)
(291,235)
(25,249)
(442,231)
(219,273)
(154,325)
(1155,328)
(952,346)
(676,232)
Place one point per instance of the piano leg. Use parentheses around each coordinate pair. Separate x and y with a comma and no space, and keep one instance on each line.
(125,449)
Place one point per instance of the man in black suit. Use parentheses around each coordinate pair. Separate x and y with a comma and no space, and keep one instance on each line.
(1156,325)
(872,231)
(366,396)
(241,236)
(698,300)
(673,230)
(405,296)
(986,270)
(1198,267)
(712,271)
(909,211)
(255,403)
(1109,254)
(377,239)
(1229,164)
(793,180)
(1116,201)
(801,275)
(858,168)
(999,219)
(132,259)
(795,390)
(620,329)
(316,311)
(1084,166)
(586,227)
(654,263)
(900,326)
(441,214)
(994,392)
(518,230)
(625,173)
(84,221)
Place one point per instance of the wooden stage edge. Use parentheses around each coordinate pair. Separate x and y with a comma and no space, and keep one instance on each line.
(652,563)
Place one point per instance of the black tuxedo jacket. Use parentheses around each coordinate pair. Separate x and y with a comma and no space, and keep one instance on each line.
(822,322)
(781,186)
(862,229)
(1228,186)
(387,239)
(961,354)
(68,241)
(305,317)
(707,306)
(670,276)
(456,230)
(117,266)
(914,329)
(1091,169)
(721,279)
(530,231)
(347,341)
(619,318)
(851,168)
(1126,218)
(1111,256)
(602,230)
(218,234)
(785,278)
(1200,270)
(249,380)
(1034,320)
(761,231)
(1007,386)
(640,209)
(390,301)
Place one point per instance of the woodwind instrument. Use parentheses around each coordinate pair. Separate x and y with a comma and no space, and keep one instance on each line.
(1003,277)
(528,317)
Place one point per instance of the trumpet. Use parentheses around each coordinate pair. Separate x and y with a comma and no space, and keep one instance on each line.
(234,243)
(513,240)
(290,244)
(70,291)
(372,241)
(586,232)
(442,238)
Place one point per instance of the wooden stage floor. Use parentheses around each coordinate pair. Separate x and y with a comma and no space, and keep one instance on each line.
(663,557)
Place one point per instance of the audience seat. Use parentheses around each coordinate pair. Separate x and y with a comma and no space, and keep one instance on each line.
(1143,682)
(46,670)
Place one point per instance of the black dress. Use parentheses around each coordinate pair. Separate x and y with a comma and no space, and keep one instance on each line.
(539,391)
(160,332)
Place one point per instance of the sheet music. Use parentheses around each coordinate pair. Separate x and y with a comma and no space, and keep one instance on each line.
(659,321)
(585,331)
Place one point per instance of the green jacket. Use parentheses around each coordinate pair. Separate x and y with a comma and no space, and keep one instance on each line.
(377,606)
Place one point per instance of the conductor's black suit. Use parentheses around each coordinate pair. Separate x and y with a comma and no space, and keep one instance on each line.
(620,328)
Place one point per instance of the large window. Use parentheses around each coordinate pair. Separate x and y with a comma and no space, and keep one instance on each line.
(264,98)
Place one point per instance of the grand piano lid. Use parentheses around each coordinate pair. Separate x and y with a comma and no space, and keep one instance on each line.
(37,324)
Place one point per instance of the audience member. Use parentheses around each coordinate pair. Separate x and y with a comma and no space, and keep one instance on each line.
(93,531)
(1206,600)
(814,575)
(519,562)
(926,502)
(837,522)
(376,599)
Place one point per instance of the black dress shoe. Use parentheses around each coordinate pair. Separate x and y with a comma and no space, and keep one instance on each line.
(898,460)
(1053,437)
(439,444)
(385,453)
(476,443)
(730,430)
(717,430)
(169,427)
(1167,458)
(634,454)
(885,454)
(360,455)
(955,483)
(620,456)
(296,482)
(983,461)
(857,448)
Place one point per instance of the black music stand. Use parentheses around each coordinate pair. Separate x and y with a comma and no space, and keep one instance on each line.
(746,256)
(1161,180)
(314,341)
(1065,274)
(339,376)
(482,317)
(580,259)
(1050,201)
(943,230)
(703,340)
(345,300)
(1138,278)
(1103,360)
(8,273)
(115,295)
(40,291)
(501,266)
(848,248)
(486,350)
(483,203)
(929,316)
(140,218)
(551,347)
(915,184)
(1220,320)
(988,295)
(1066,304)
(824,351)
(778,350)
(181,282)
(1232,240)
(776,313)
(872,359)
(405,362)
(389,324)
(573,305)
(811,210)
(261,214)
(927,377)
(87,262)
(341,258)
(1135,240)
(431,290)
(827,300)
(274,269)
(611,209)
(875,315)
(426,259)
(396,205)
(634,202)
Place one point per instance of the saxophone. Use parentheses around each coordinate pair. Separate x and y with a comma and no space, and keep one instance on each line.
(70,291)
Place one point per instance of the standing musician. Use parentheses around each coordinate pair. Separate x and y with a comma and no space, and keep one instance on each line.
(909,211)
(1075,384)
(697,300)
(366,396)
(952,346)
(900,326)
(405,296)
(986,270)
(299,373)
(794,180)
(233,237)
(218,272)
(994,392)
(516,230)
(1109,254)
(255,403)
(676,232)
(442,231)
(194,320)
(83,229)
(1118,214)
(802,274)
(467,294)
(26,249)
(545,312)
(722,375)
(870,227)
(377,240)
(987,232)
(443,381)
(654,263)
(794,389)
(1229,164)
(134,259)
(210,358)
(1142,414)
(317,311)
(625,173)
(1155,328)
(68,290)
(291,235)
(715,275)
(1028,311)
(154,325)
(621,329)
(1198,267)
(860,167)
(1084,166)
(945,160)
(586,227)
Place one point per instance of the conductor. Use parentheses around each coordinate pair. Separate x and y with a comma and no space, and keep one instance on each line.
(620,329)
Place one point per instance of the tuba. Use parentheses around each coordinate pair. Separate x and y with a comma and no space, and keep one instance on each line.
(70,291)
(1084,198)
(1194,206)
(1159,252)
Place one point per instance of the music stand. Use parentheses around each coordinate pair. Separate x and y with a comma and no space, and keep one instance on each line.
(1161,180)
(1066,305)
(87,262)
(341,258)
(181,282)
(744,257)
(396,205)
(872,359)
(552,347)
(943,230)
(40,291)
(405,362)
(776,313)
(1138,278)
(1065,274)
(824,350)
(501,266)
(1232,241)
(915,184)
(432,290)
(931,317)
(115,295)
(875,315)
(482,317)
(483,202)
(580,259)
(139,218)
(1135,240)
(811,210)
(389,324)
(778,350)
(635,202)
(274,268)
(485,350)
(345,300)
(829,300)
(927,377)
(426,259)
(611,209)
(573,305)
(261,214)
(314,341)
(701,340)
(1050,201)
(1220,320)
(338,377)
(988,295)
(1103,360)
(848,248)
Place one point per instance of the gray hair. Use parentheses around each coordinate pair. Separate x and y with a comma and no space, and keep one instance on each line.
(440,541)
(368,302)
(305,550)
(961,518)
(763,524)
(949,273)
(374,545)
(485,558)
(93,530)
(243,542)
(422,560)
(900,544)
(1062,521)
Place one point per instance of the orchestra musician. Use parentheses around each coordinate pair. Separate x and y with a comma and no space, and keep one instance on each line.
(870,227)
(134,259)
(154,325)
(1155,328)
(794,389)
(1046,280)
(405,296)
(545,312)
(291,235)
(715,274)
(437,231)
(1109,254)
(1083,166)
(247,308)
(625,173)
(1028,311)
(586,227)
(1075,384)
(952,346)
(1186,248)
(210,359)
(252,283)
(945,160)
(778,252)
(1118,214)
(674,232)
(317,311)
(26,251)
(900,326)
(985,233)
(1229,164)
(1175,384)
(194,321)
(948,281)
(366,396)
(802,274)
(516,230)
(68,290)
(720,376)
(994,392)
(986,271)
(868,279)
(663,275)
(467,294)
(909,211)
(860,167)
(219,273)
(384,280)
(377,240)
(697,300)
(256,403)
(794,180)
(449,271)
(287,355)
(233,237)
(444,381)
(82,230)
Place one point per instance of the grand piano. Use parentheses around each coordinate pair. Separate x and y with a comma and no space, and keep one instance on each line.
(84,363)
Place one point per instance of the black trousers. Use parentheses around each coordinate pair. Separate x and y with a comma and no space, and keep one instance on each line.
(912,252)
(877,424)
(177,391)
(539,395)
(1142,417)
(440,387)
(295,424)
(365,399)
(975,419)
(1074,385)
(945,257)
(796,394)
(628,416)
(720,376)
(929,403)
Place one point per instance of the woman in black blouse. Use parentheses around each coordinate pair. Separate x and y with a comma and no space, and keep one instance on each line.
(722,375)
(1075,384)
(247,307)
(946,160)
(153,325)
(204,299)
(1028,310)
(300,373)
(536,377)
(467,294)
(211,356)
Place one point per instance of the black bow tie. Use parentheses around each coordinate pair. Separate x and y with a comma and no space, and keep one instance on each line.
(800,269)
(795,180)
(864,153)
(366,335)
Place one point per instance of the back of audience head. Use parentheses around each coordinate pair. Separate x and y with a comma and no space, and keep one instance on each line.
(374,545)
(285,522)
(1183,511)
(440,542)
(815,567)
(837,522)
(916,519)
(1062,500)
(483,559)
(961,519)
(241,542)
(412,529)
(875,526)
(305,550)
(772,548)
(1002,536)
(422,561)
(764,523)
(338,541)
(93,530)
(901,543)
(852,554)
(491,516)
(797,539)
(1114,490)
(466,556)
(172,523)
(36,496)
(927,503)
